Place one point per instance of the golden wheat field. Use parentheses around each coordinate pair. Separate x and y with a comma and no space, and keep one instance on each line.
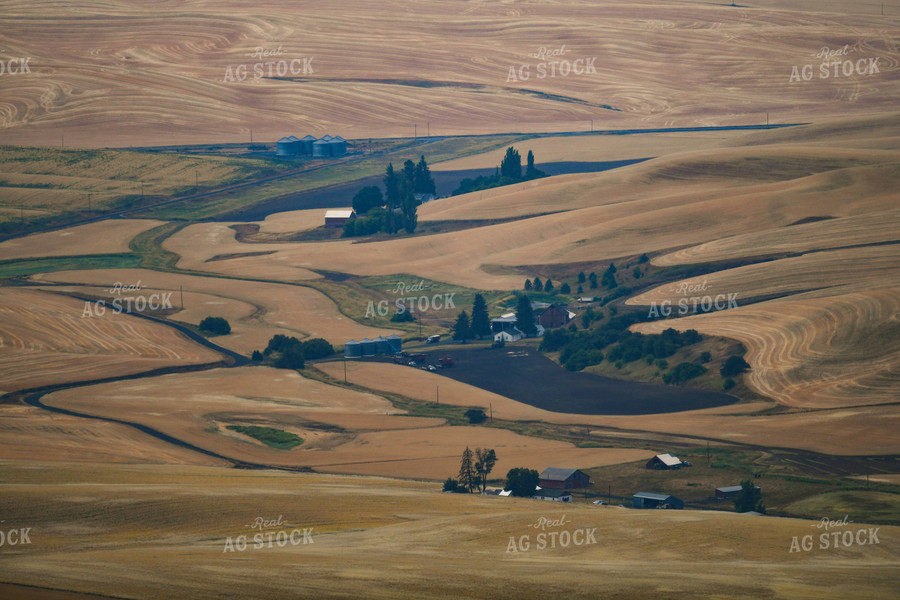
(447,67)
(381,538)
(164,465)
(49,339)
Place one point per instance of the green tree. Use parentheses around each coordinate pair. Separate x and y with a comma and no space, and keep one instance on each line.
(408,205)
(484,463)
(423,182)
(451,485)
(565,289)
(366,199)
(749,498)
(528,285)
(468,478)
(592,279)
(480,322)
(409,170)
(475,415)
(462,331)
(215,326)
(548,286)
(581,277)
(392,196)
(530,171)
(511,165)
(735,365)
(538,284)
(256,356)
(522,482)
(317,348)
(525,316)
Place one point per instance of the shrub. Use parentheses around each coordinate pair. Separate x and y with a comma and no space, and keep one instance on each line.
(215,326)
(475,415)
(735,365)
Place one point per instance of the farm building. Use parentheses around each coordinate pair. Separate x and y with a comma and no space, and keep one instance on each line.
(503,329)
(554,495)
(555,315)
(394,343)
(337,218)
(423,198)
(564,479)
(664,461)
(338,146)
(729,492)
(650,500)
(391,344)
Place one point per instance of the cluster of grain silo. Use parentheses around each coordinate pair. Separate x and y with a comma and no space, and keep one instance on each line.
(310,146)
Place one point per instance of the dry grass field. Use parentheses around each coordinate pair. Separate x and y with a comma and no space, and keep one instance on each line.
(104,237)
(256,311)
(800,223)
(380,538)
(343,431)
(47,339)
(837,431)
(433,62)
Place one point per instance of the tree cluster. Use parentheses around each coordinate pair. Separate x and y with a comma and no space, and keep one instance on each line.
(215,326)
(585,348)
(509,172)
(478,326)
(396,209)
(474,469)
(284,352)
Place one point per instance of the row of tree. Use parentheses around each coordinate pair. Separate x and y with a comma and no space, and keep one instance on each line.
(479,326)
(509,172)
(396,208)
(607,280)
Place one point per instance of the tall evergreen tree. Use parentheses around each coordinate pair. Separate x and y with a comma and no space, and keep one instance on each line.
(424,182)
(392,198)
(462,330)
(538,284)
(528,285)
(511,166)
(408,205)
(409,170)
(468,478)
(481,322)
(525,316)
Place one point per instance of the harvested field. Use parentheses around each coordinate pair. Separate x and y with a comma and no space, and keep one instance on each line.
(104,237)
(46,339)
(343,431)
(653,206)
(407,540)
(839,431)
(454,71)
(260,310)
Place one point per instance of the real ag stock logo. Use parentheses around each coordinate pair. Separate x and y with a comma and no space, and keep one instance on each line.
(551,537)
(14,66)
(835,539)
(552,65)
(270,539)
(269,68)
(834,64)
(421,303)
(695,304)
(128,304)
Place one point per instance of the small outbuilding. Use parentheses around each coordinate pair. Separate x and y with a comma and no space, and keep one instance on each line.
(729,492)
(337,218)
(664,461)
(554,315)
(554,495)
(564,479)
(651,500)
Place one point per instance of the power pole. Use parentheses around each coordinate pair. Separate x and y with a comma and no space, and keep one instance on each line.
(491,405)
(708,463)
(181,287)
(437,394)
(345,369)
(415,130)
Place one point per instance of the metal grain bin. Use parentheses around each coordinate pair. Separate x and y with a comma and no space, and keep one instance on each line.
(352,349)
